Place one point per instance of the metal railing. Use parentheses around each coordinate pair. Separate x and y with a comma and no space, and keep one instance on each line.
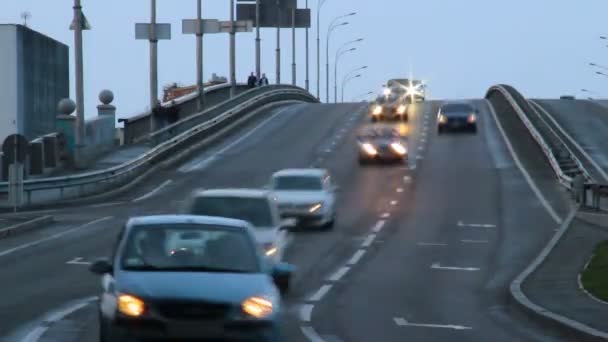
(554,148)
(181,136)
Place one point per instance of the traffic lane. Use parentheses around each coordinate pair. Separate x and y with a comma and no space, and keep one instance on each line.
(91,247)
(586,122)
(51,257)
(434,265)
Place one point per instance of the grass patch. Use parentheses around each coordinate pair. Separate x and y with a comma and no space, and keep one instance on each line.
(595,277)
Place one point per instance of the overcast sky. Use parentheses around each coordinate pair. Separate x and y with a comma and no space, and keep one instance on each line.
(460,48)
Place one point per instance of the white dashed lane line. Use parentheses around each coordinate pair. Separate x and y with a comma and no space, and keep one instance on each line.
(339,274)
(356,257)
(320,293)
(378,226)
(431,244)
(369,240)
(474,241)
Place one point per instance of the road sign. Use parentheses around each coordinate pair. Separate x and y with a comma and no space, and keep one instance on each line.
(15,148)
(239,26)
(84,23)
(268,16)
(142,31)
(209,26)
(273,3)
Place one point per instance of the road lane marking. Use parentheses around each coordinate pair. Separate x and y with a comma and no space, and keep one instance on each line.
(521,168)
(368,241)
(102,205)
(311,334)
(356,257)
(431,244)
(378,226)
(306,312)
(385,215)
(78,261)
(420,148)
(339,273)
(419,157)
(437,266)
(406,179)
(474,241)
(153,192)
(320,293)
(403,323)
(399,189)
(394,202)
(476,225)
(54,317)
(328,150)
(203,163)
(52,237)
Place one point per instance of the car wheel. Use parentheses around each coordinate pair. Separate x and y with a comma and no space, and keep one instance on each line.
(362,161)
(374,119)
(439,130)
(330,225)
(474,129)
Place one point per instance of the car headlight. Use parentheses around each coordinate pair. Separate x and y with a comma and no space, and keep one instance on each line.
(472,118)
(369,149)
(400,149)
(257,307)
(315,208)
(269,249)
(442,118)
(130,305)
(401,109)
(377,110)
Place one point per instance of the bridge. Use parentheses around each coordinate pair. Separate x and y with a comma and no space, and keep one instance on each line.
(482,236)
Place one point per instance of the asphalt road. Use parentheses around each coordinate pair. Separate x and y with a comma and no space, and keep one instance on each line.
(431,210)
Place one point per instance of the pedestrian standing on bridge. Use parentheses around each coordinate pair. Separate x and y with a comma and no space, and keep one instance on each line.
(263,80)
(252,81)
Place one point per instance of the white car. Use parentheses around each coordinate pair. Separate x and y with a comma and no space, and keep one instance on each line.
(258,207)
(307,195)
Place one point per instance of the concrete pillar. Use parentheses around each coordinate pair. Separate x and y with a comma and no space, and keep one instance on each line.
(36,157)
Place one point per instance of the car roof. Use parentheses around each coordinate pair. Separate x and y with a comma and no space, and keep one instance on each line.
(152,220)
(232,192)
(300,172)
(456,106)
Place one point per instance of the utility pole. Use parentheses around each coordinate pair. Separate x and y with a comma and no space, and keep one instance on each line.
(232,51)
(258,43)
(199,55)
(278,62)
(307,82)
(293,46)
(79,24)
(153,66)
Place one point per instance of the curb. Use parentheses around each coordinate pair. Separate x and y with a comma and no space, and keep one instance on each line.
(569,326)
(26,226)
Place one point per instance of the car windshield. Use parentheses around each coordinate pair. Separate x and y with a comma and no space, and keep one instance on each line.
(379,133)
(306,183)
(456,109)
(254,210)
(189,247)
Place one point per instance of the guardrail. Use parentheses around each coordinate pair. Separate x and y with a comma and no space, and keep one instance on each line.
(518,103)
(99,181)
(137,128)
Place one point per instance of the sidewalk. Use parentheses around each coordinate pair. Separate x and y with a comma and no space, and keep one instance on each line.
(555,285)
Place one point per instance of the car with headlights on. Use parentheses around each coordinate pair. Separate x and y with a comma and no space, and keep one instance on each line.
(307,195)
(219,288)
(391,107)
(381,145)
(457,116)
(258,207)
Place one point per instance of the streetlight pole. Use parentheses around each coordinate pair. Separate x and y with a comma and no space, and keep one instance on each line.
(346,82)
(153,66)
(320,4)
(339,54)
(348,74)
(598,66)
(79,82)
(293,46)
(258,41)
(199,55)
(306,82)
(362,95)
(278,51)
(332,27)
(232,51)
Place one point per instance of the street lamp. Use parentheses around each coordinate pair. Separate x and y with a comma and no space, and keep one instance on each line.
(320,4)
(339,53)
(362,95)
(601,73)
(348,74)
(598,66)
(346,82)
(331,28)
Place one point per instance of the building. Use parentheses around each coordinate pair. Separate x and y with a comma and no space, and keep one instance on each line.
(35,77)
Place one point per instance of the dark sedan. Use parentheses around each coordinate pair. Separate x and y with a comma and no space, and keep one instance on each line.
(181,277)
(381,144)
(392,107)
(457,116)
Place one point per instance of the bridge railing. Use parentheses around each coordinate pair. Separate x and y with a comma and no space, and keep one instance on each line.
(167,144)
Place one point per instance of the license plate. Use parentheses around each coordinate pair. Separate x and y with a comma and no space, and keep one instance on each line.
(195,330)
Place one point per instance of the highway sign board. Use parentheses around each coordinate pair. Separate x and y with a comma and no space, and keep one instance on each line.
(15,148)
(208,26)
(142,31)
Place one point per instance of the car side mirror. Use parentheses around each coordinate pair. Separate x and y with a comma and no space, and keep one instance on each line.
(288,223)
(281,275)
(101,267)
